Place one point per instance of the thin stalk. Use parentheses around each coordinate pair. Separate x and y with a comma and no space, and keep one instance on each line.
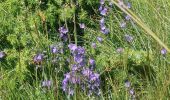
(75,29)
(141,24)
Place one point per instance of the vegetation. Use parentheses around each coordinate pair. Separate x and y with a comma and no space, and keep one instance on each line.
(84,49)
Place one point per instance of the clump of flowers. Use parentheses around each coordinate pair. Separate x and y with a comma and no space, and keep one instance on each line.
(63,33)
(103,11)
(130,89)
(126,17)
(81,75)
(57,48)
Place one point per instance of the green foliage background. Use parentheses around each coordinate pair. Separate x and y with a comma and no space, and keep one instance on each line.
(28,27)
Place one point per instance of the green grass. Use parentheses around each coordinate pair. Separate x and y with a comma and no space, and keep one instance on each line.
(24,32)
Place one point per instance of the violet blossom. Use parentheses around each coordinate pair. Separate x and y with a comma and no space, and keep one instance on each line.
(38,58)
(46,83)
(80,74)
(82,25)
(63,33)
(100,39)
(2,54)
(163,51)
(93,45)
(128,38)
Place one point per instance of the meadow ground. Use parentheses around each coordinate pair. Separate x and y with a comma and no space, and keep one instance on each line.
(84,49)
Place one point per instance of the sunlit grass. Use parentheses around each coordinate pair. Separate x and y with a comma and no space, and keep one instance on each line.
(140,62)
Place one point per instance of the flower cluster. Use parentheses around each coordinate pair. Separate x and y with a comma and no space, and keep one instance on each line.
(123,24)
(103,11)
(80,75)
(122,4)
(130,89)
(57,48)
(127,17)
(63,33)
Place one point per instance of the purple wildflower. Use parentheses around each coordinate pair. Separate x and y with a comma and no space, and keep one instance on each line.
(163,51)
(71,91)
(119,50)
(132,92)
(128,5)
(2,54)
(57,48)
(102,2)
(70,78)
(82,25)
(63,33)
(105,31)
(72,47)
(100,39)
(78,53)
(67,75)
(92,62)
(78,58)
(65,84)
(123,24)
(102,20)
(103,11)
(80,50)
(74,67)
(93,45)
(46,83)
(128,38)
(110,3)
(38,58)
(79,74)
(87,72)
(54,49)
(75,79)
(63,30)
(102,26)
(64,36)
(101,7)
(94,77)
(127,84)
(127,17)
